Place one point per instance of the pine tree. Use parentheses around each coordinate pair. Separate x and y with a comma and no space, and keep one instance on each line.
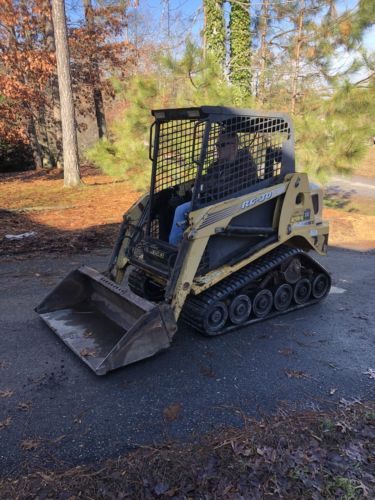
(53,125)
(69,132)
(190,80)
(240,51)
(333,136)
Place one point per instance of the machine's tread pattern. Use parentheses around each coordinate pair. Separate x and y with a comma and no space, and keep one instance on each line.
(195,307)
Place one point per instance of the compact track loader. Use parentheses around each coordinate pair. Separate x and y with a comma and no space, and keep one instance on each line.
(249,221)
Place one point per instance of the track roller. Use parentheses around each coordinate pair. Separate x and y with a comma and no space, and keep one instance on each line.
(283,280)
(283,297)
(262,303)
(239,309)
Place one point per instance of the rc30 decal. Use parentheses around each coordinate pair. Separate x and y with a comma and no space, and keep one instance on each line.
(250,203)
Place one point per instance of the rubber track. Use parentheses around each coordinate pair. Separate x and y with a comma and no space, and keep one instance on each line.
(195,307)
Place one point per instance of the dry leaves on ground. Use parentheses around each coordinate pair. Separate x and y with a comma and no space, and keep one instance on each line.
(30,444)
(87,353)
(371,373)
(286,352)
(63,220)
(172,412)
(24,406)
(5,423)
(207,371)
(6,393)
(311,454)
(296,374)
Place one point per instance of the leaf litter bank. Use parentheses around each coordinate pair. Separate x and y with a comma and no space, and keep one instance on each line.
(292,455)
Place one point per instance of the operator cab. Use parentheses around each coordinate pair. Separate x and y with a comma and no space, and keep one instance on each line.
(184,150)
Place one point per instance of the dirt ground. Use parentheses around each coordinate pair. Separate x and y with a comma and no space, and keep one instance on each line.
(71,220)
(351,230)
(62,220)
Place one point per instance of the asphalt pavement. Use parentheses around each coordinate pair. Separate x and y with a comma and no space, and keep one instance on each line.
(55,412)
(355,185)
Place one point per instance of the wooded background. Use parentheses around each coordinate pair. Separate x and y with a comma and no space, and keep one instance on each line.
(303,57)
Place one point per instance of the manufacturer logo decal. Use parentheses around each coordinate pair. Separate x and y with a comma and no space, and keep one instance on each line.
(231,211)
(258,199)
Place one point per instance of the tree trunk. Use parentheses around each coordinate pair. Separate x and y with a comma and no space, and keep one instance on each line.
(69,133)
(299,42)
(95,75)
(56,131)
(29,118)
(263,52)
(33,140)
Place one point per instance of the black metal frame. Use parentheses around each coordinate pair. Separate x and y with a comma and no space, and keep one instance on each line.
(253,129)
(183,153)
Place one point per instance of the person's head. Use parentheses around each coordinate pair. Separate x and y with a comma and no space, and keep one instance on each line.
(227,146)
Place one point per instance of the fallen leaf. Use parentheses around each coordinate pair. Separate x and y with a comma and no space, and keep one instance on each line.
(227,489)
(6,393)
(39,379)
(87,334)
(172,411)
(296,374)
(308,334)
(5,423)
(24,406)
(286,352)
(45,477)
(30,444)
(207,371)
(361,316)
(86,353)
(371,373)
(58,439)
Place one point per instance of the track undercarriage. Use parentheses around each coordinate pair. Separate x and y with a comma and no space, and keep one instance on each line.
(282,281)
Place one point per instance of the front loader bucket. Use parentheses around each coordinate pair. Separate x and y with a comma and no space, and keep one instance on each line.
(104,324)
